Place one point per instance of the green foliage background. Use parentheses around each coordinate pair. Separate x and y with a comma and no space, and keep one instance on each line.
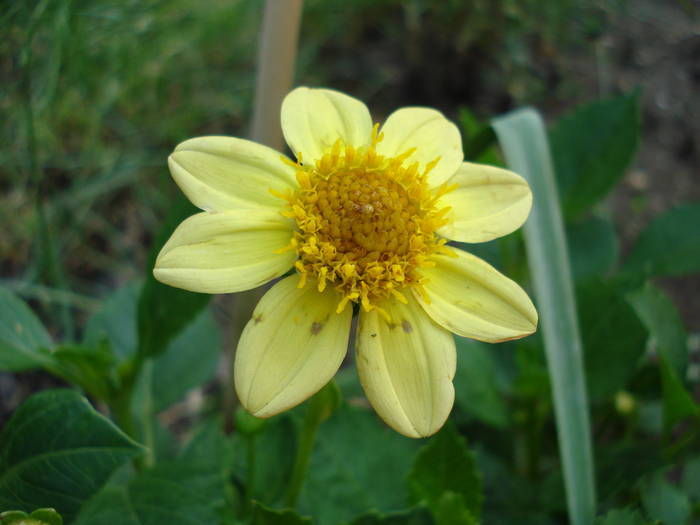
(94,95)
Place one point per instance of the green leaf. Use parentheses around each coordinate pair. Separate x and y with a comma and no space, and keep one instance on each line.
(665,325)
(23,339)
(415,516)
(524,141)
(613,338)
(678,403)
(190,361)
(665,502)
(90,367)
(164,311)
(593,248)
(691,479)
(669,246)
(273,451)
(476,391)
(115,321)
(57,451)
(445,465)
(343,483)
(265,516)
(176,493)
(622,517)
(620,465)
(592,147)
(451,509)
(38,517)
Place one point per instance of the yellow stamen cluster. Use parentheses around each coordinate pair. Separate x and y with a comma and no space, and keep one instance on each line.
(365,222)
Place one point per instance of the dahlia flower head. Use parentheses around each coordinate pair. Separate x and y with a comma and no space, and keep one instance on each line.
(359,223)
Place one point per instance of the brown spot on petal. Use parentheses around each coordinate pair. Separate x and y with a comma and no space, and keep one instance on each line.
(406,326)
(373,335)
(316,328)
(257,319)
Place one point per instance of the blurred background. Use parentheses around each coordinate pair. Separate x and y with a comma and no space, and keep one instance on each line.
(95,94)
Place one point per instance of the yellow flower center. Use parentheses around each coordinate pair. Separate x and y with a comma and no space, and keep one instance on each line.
(365,222)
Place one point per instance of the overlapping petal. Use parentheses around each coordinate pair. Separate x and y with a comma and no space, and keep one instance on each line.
(487,203)
(314,119)
(430,133)
(471,298)
(406,367)
(226,251)
(226,173)
(291,348)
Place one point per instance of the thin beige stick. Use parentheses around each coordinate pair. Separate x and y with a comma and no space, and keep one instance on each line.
(277,53)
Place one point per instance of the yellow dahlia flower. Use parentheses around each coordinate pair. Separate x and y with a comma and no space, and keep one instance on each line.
(363,217)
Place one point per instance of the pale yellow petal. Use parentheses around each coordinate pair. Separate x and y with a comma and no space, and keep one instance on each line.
(291,348)
(222,252)
(431,134)
(314,119)
(471,298)
(487,203)
(226,173)
(406,367)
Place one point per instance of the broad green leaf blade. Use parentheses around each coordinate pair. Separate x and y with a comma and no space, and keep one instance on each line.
(90,367)
(613,338)
(266,516)
(343,483)
(622,517)
(23,339)
(446,466)
(417,516)
(524,141)
(593,248)
(189,360)
(476,391)
(173,493)
(57,451)
(665,502)
(669,246)
(115,321)
(665,326)
(592,147)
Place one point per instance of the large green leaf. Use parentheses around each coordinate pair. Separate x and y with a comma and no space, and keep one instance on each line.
(669,246)
(665,502)
(524,141)
(622,517)
(665,326)
(266,516)
(443,468)
(358,465)
(613,338)
(592,147)
(476,391)
(593,248)
(115,321)
(273,450)
(176,493)
(23,339)
(189,361)
(416,516)
(57,451)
